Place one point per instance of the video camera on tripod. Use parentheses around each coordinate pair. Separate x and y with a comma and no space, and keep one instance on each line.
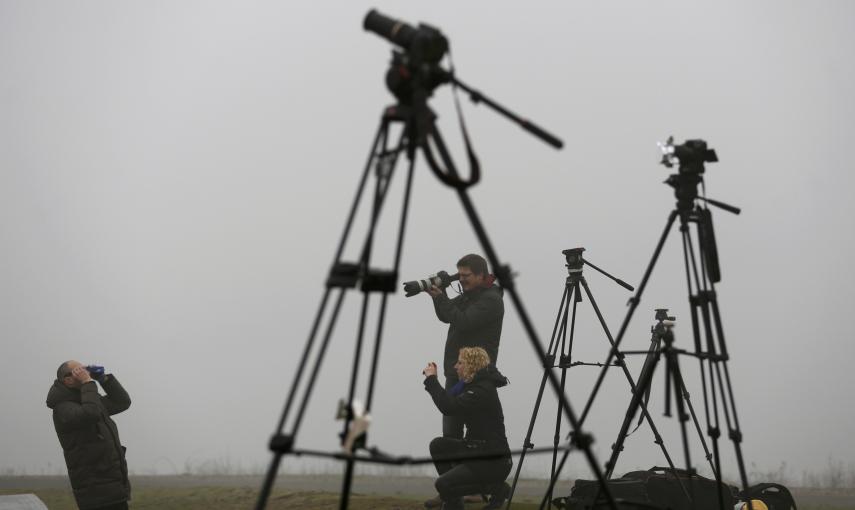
(417,67)
(689,157)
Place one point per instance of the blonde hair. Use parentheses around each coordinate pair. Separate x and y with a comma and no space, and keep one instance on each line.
(473,359)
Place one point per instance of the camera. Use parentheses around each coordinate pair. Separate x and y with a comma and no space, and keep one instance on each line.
(423,43)
(96,372)
(689,157)
(441,279)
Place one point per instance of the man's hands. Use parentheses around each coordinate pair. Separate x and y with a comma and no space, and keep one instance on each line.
(81,374)
(434,291)
(430,369)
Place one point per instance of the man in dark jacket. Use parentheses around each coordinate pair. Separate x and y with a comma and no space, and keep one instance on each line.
(475,400)
(474,319)
(94,456)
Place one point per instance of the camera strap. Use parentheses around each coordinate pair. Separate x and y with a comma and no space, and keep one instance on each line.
(448,177)
(474,164)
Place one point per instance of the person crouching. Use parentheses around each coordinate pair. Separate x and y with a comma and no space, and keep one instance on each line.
(475,399)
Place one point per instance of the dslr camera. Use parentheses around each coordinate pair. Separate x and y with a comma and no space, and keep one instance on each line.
(441,279)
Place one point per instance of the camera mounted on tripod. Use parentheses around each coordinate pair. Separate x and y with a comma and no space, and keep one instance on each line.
(689,157)
(664,322)
(417,66)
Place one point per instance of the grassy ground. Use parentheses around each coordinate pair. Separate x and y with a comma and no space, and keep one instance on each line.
(232,498)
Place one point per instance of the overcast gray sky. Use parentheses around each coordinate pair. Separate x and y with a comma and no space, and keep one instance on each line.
(174,177)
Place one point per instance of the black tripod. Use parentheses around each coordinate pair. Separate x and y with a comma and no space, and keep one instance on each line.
(662,345)
(413,76)
(702,272)
(660,332)
(572,293)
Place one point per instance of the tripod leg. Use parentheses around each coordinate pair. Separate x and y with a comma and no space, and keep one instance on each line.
(699,300)
(548,362)
(644,380)
(547,496)
(398,249)
(693,296)
(384,177)
(686,397)
(643,406)
(708,255)
(379,141)
(672,364)
(553,472)
(583,440)
(270,478)
(564,362)
(354,373)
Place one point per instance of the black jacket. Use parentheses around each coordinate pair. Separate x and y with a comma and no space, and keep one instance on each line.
(475,320)
(478,405)
(94,456)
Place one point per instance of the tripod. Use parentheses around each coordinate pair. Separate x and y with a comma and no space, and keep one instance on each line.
(702,273)
(412,77)
(572,293)
(660,332)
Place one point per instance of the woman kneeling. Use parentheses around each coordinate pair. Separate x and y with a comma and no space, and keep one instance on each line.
(476,400)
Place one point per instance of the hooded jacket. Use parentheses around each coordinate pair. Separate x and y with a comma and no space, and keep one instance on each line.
(478,404)
(474,319)
(94,456)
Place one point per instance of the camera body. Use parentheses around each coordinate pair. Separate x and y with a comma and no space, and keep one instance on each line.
(441,279)
(690,156)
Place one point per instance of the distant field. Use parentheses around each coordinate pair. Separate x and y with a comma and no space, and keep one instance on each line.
(315,493)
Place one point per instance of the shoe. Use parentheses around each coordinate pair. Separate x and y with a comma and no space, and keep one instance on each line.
(434,502)
(453,504)
(474,498)
(497,499)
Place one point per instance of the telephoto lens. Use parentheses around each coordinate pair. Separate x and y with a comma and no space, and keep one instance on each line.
(441,279)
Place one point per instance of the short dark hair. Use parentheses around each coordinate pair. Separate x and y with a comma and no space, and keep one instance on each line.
(474,262)
(62,372)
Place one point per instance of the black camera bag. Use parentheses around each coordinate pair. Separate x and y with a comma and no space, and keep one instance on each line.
(657,487)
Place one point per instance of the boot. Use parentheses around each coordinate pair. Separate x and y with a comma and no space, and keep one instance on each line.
(497,499)
(434,502)
(453,504)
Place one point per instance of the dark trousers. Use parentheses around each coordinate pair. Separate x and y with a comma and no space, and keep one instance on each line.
(458,477)
(452,426)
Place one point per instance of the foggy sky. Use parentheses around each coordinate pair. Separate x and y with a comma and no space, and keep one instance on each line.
(174,179)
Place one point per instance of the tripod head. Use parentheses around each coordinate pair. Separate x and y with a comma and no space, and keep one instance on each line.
(662,315)
(574,264)
(574,260)
(664,322)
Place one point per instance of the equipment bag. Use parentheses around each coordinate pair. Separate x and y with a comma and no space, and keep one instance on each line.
(657,487)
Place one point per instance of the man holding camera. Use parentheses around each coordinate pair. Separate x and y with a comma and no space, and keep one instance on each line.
(474,319)
(94,456)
